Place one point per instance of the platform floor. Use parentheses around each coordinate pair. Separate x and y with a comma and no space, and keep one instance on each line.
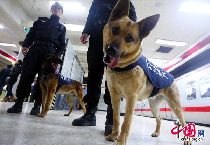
(55,129)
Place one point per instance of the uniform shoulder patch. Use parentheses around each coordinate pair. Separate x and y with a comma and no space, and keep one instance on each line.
(62,27)
(43,19)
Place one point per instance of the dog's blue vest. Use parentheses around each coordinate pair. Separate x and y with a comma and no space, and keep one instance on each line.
(63,81)
(158,77)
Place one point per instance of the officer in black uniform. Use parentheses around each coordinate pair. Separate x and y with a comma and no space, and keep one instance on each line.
(12,80)
(99,13)
(4,73)
(47,36)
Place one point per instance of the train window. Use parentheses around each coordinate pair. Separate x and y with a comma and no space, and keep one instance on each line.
(191,91)
(205,87)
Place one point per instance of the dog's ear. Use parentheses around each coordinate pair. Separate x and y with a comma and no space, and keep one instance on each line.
(58,60)
(121,9)
(54,59)
(147,24)
(50,57)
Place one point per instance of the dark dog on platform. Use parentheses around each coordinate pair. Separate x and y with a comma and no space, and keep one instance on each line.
(52,82)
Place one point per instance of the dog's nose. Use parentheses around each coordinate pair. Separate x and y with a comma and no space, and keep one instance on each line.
(107,59)
(112,50)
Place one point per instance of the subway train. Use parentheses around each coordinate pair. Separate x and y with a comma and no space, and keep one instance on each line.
(192,76)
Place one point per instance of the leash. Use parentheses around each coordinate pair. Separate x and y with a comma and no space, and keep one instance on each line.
(64,52)
(62,58)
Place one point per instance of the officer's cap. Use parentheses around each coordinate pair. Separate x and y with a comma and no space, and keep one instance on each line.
(57,5)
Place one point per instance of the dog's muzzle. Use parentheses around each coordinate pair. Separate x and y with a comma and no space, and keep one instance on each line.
(112,62)
(112,50)
(112,56)
(107,59)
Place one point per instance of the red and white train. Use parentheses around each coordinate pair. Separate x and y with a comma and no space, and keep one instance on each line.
(192,76)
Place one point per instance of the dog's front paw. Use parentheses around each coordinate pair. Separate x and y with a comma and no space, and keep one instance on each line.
(119,143)
(112,137)
(155,134)
(66,114)
(40,115)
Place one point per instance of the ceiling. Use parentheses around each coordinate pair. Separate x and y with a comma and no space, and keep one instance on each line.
(173,25)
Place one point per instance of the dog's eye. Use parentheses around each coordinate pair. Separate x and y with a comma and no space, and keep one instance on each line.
(115,30)
(129,38)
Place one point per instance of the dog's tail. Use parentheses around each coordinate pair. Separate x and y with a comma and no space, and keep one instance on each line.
(79,88)
(80,94)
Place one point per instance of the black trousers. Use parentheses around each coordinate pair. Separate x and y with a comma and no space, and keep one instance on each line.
(31,66)
(95,73)
(12,80)
(9,89)
(2,84)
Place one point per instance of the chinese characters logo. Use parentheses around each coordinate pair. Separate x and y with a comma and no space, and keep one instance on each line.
(189,131)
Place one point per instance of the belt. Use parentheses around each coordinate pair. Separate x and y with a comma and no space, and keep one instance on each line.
(44,43)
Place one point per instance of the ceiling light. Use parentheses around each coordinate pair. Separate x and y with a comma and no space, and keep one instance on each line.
(7,44)
(169,42)
(72,7)
(1,26)
(73,27)
(195,7)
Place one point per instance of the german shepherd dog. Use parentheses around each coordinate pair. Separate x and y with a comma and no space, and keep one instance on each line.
(51,83)
(122,47)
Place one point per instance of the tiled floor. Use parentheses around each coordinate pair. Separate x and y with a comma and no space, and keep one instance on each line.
(55,129)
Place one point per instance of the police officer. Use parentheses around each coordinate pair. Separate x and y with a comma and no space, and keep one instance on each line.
(5,72)
(47,36)
(11,81)
(99,13)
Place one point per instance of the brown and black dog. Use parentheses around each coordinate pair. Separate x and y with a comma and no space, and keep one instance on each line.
(51,84)
(122,47)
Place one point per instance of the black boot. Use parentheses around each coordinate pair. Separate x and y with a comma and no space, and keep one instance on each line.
(88,119)
(16,108)
(109,121)
(35,110)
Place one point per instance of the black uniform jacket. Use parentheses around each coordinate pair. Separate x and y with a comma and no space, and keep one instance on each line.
(99,14)
(47,30)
